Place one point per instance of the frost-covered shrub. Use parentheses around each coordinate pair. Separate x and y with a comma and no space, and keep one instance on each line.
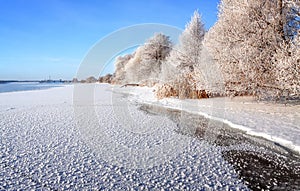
(106,79)
(183,87)
(165,91)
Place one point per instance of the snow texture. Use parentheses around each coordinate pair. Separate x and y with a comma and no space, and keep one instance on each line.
(49,142)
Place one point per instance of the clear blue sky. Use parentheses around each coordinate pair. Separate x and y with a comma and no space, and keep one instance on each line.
(39,38)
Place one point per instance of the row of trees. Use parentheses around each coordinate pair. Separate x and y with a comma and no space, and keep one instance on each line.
(158,61)
(253,49)
(103,79)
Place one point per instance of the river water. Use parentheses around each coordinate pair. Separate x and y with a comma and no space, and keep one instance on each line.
(261,164)
(26,86)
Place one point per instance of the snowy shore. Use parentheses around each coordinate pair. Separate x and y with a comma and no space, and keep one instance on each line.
(51,141)
(55,139)
(275,122)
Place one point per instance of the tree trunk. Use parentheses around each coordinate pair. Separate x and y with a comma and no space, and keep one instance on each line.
(282,19)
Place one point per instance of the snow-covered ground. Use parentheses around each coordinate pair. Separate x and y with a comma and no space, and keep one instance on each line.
(276,122)
(95,136)
(48,142)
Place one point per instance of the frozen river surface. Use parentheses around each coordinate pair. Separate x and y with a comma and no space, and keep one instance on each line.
(54,140)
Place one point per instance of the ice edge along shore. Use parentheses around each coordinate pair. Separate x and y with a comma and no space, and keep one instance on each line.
(145,95)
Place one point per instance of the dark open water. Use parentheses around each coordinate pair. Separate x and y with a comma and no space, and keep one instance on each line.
(261,164)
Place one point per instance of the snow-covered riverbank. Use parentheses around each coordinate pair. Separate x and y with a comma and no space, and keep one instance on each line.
(275,122)
(50,143)
(55,139)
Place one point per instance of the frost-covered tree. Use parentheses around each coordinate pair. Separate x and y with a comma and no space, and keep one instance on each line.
(120,73)
(287,68)
(148,59)
(132,67)
(154,53)
(181,71)
(75,80)
(157,48)
(245,39)
(187,54)
(105,79)
(91,79)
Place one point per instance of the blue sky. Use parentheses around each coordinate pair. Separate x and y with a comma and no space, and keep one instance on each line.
(41,38)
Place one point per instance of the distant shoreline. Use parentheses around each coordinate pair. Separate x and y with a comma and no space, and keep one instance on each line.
(37,81)
(11,81)
(17,86)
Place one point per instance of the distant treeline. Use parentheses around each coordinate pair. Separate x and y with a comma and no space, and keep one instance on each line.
(103,79)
